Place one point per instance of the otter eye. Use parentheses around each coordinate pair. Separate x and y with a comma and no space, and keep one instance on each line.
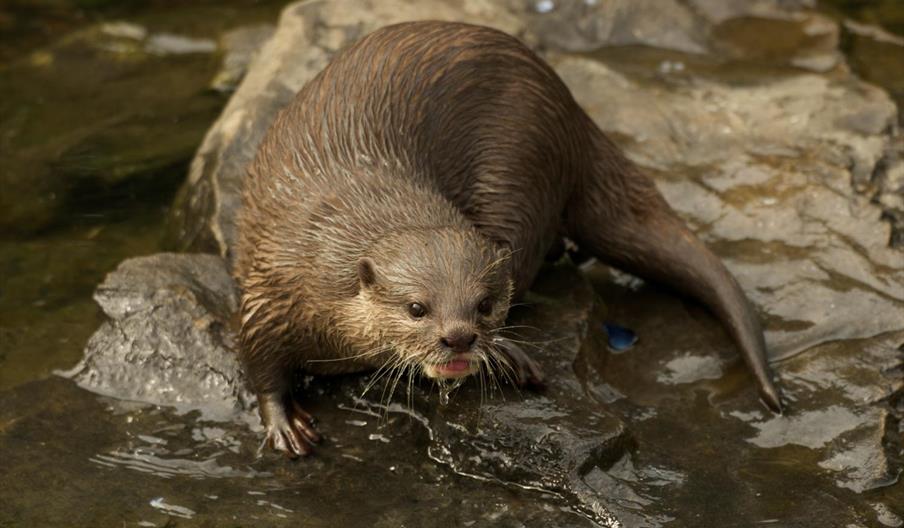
(485,306)
(417,310)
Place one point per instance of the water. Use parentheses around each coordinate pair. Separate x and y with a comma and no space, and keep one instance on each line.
(105,131)
(447,387)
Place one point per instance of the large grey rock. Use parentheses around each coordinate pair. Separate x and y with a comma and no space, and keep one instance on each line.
(761,170)
(167,340)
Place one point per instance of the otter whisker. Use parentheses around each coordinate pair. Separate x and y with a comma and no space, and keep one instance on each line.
(411,372)
(384,369)
(400,369)
(508,327)
(507,369)
(538,344)
(481,378)
(509,332)
(372,352)
(490,361)
(500,374)
(393,374)
(494,370)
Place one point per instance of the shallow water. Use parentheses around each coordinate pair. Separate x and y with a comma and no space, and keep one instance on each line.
(106,125)
(104,129)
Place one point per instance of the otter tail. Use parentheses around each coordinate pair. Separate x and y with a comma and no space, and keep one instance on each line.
(618,215)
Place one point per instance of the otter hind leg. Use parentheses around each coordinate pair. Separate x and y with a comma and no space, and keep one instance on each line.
(617,215)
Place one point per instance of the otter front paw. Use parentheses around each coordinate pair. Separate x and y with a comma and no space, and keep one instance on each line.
(526,372)
(289,428)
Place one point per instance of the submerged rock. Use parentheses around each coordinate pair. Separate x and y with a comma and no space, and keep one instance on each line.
(551,440)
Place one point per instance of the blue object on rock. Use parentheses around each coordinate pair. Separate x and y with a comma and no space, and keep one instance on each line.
(620,338)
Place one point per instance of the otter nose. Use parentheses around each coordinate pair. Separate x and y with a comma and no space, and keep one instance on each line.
(459,341)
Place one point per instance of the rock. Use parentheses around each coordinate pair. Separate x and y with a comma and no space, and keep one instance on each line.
(203,215)
(876,56)
(763,174)
(837,404)
(131,463)
(239,46)
(718,11)
(873,32)
(169,44)
(727,30)
(167,340)
(588,26)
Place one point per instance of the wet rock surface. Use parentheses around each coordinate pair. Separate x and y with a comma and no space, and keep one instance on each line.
(732,29)
(785,172)
(167,340)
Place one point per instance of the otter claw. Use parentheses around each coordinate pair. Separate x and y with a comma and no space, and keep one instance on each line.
(289,429)
(287,441)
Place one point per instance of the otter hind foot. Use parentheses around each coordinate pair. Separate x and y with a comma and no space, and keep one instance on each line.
(524,370)
(289,428)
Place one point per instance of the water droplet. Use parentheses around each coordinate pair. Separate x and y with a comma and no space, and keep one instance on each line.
(446,387)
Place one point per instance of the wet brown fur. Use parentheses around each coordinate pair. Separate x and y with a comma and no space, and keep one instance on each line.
(456,137)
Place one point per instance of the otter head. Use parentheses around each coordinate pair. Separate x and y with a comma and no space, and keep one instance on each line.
(436,297)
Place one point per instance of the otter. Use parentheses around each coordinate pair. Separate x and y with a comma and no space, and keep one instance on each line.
(411,191)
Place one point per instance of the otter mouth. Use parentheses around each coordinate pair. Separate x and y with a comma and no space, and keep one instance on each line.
(460,366)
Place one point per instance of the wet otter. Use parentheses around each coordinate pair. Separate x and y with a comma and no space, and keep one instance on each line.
(411,190)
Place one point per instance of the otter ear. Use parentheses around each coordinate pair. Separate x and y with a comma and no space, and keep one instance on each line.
(367,272)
